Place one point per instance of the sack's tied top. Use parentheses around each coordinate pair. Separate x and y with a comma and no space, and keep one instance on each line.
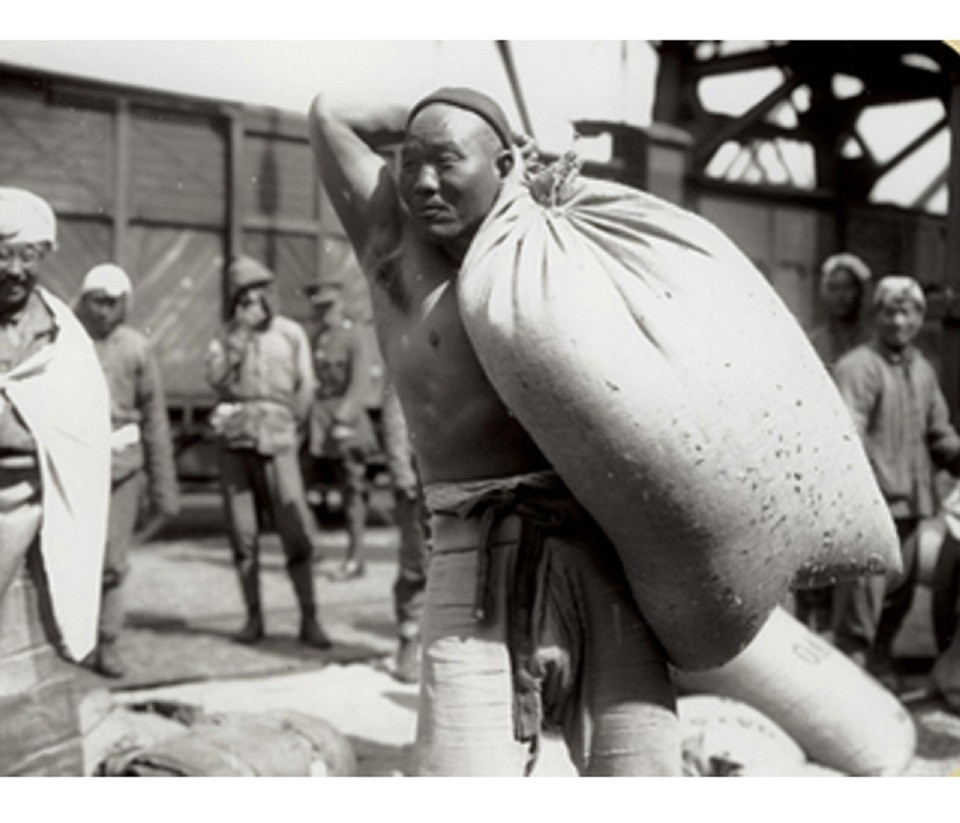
(552,185)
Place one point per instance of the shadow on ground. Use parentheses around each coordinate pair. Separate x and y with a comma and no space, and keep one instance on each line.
(375,759)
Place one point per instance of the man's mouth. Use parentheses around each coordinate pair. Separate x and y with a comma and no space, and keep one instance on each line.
(12,282)
(433,211)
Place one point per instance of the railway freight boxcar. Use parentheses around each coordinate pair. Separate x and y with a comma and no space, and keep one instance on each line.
(168,187)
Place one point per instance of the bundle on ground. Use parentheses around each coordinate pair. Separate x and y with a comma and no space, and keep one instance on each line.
(279,743)
(680,401)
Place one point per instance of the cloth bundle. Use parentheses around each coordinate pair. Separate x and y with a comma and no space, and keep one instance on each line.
(679,400)
(268,744)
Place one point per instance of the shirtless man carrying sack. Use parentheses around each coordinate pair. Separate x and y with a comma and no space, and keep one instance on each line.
(528,621)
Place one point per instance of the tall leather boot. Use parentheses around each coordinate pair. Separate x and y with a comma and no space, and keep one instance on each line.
(311,632)
(252,630)
(355,512)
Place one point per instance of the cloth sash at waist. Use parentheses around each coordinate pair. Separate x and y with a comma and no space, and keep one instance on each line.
(482,514)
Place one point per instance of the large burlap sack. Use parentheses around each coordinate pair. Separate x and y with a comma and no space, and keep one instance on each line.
(108,728)
(680,401)
(271,744)
(840,716)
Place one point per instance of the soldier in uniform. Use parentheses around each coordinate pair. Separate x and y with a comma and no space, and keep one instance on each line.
(341,431)
(140,442)
(260,366)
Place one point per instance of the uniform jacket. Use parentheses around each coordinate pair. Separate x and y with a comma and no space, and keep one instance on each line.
(342,362)
(137,400)
(904,421)
(265,378)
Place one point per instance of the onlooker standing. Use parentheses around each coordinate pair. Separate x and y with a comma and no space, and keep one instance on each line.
(902,416)
(844,279)
(341,432)
(260,365)
(54,490)
(140,442)
(409,588)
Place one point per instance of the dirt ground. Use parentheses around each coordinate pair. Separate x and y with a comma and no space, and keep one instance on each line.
(183,605)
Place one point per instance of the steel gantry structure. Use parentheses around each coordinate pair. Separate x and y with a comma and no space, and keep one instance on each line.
(818,99)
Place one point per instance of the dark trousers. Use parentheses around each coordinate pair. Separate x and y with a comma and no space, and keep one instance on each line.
(869,612)
(121,522)
(410,585)
(252,482)
(351,472)
(814,608)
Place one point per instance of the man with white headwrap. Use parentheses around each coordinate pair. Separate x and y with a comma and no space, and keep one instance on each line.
(844,279)
(894,395)
(54,485)
(140,441)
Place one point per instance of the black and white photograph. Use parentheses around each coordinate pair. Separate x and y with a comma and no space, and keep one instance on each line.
(480,407)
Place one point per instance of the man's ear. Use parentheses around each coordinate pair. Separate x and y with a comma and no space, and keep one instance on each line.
(505,162)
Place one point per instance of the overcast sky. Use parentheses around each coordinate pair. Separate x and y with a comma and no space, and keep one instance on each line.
(560,80)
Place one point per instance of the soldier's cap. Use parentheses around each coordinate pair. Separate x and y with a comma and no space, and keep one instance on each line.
(244,272)
(108,278)
(26,218)
(896,287)
(331,285)
(471,100)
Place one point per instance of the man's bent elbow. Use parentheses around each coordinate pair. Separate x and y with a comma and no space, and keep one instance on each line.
(317,118)
(319,109)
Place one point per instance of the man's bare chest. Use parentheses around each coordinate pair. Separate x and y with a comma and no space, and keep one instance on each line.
(417,316)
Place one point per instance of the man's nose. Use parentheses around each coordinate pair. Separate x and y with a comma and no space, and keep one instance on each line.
(426,179)
(13,265)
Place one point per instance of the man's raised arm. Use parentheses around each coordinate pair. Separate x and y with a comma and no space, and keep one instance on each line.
(355,177)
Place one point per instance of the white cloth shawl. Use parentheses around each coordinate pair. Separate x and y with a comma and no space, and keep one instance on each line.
(62,396)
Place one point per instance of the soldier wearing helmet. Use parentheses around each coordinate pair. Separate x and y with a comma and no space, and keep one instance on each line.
(260,365)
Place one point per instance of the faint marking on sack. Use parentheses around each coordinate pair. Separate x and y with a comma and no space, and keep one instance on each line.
(812,652)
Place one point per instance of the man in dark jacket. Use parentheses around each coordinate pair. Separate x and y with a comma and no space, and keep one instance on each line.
(140,442)
(260,366)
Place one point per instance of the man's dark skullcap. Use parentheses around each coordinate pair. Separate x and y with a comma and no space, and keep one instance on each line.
(473,101)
